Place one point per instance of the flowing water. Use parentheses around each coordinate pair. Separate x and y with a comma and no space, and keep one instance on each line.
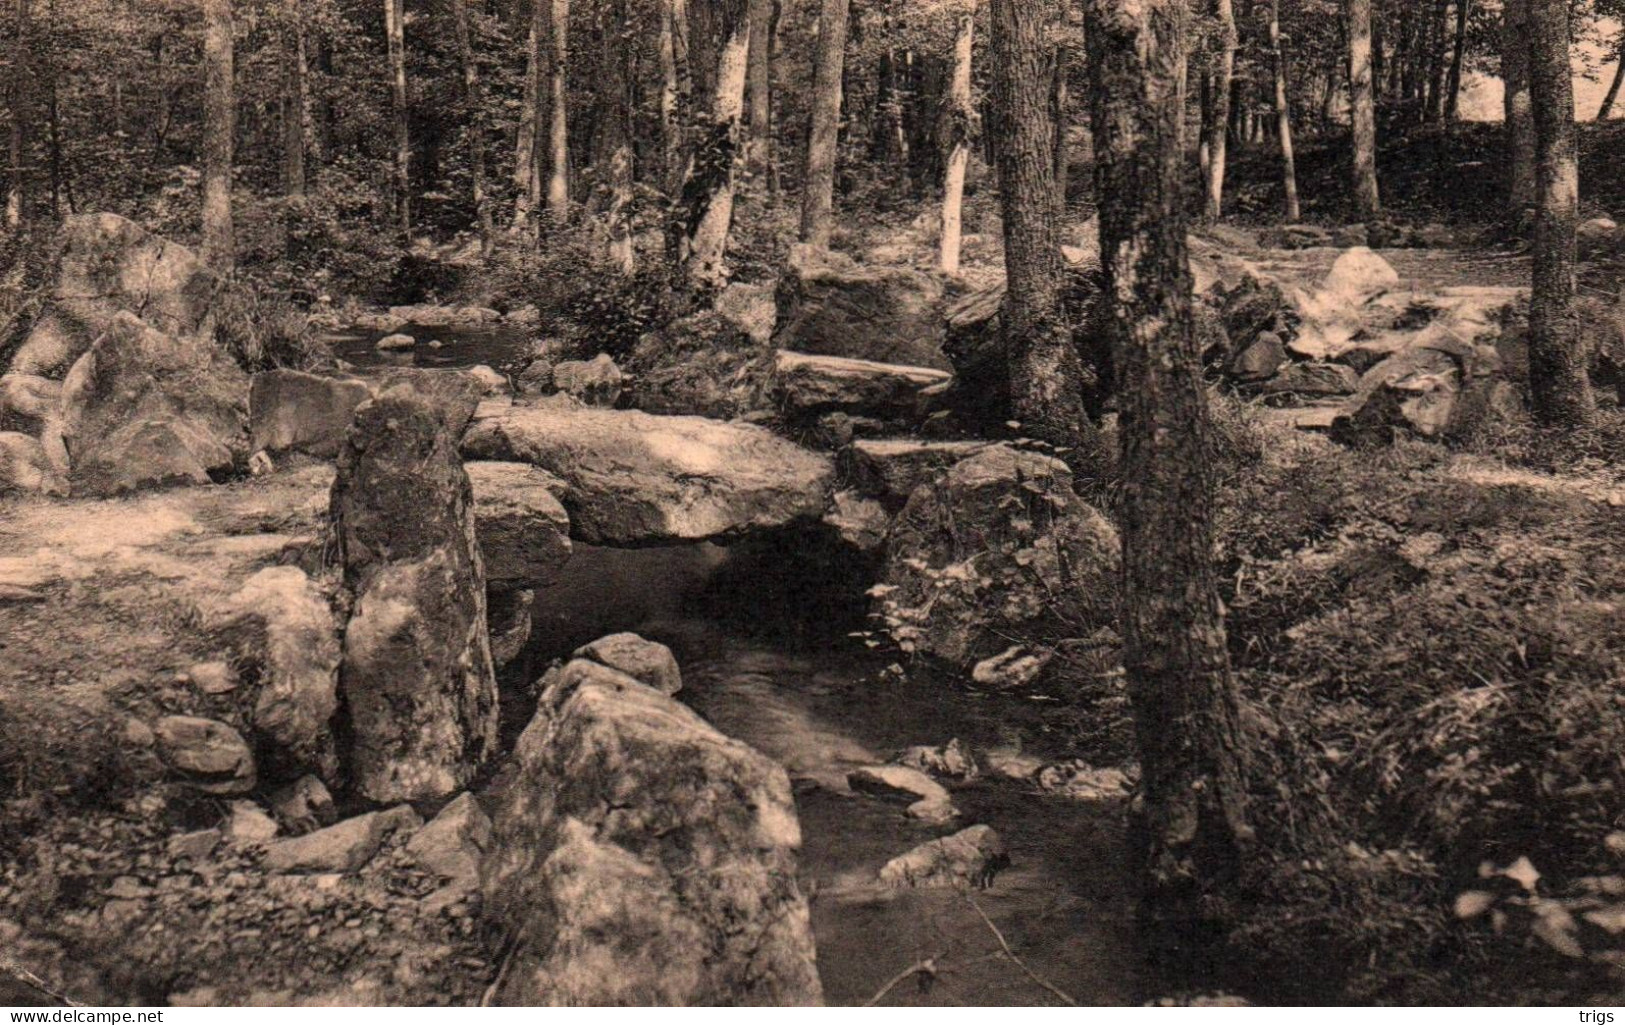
(495,346)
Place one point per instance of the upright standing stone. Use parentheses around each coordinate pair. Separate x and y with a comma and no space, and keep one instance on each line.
(417,676)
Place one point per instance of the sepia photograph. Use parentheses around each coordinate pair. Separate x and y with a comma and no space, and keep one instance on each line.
(811,503)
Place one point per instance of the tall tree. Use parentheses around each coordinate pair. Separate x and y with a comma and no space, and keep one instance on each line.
(474,119)
(20,78)
(219,128)
(1219,120)
(1520,118)
(1046,375)
(616,131)
(558,179)
(395,38)
(296,112)
(1558,382)
(675,87)
(1283,116)
(1363,111)
(958,119)
(527,146)
(1607,108)
(818,185)
(759,135)
(708,193)
(1184,696)
(1458,57)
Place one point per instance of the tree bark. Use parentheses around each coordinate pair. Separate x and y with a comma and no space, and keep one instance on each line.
(1060,109)
(613,29)
(1283,117)
(1219,130)
(759,135)
(1046,374)
(818,186)
(219,126)
(1559,385)
(21,77)
(675,88)
(958,119)
(395,33)
(1452,97)
(1520,119)
(1363,111)
(708,193)
(1184,696)
(558,179)
(1607,107)
(473,99)
(527,146)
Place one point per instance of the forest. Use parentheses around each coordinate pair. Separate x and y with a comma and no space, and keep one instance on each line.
(812,502)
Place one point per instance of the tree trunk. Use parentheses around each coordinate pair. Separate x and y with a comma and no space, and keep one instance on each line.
(1438,67)
(1363,111)
(958,117)
(21,78)
(295,105)
(1558,382)
(1218,134)
(759,136)
(613,29)
(1452,97)
(526,180)
(1046,374)
(1060,111)
(708,194)
(675,88)
(394,30)
(1184,696)
(818,186)
(1607,107)
(1520,118)
(1283,117)
(219,125)
(475,121)
(558,179)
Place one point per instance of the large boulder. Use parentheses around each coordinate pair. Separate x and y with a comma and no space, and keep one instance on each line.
(207,755)
(1441,388)
(109,265)
(28,402)
(417,676)
(831,305)
(290,410)
(704,364)
(997,550)
(639,857)
(635,479)
(145,408)
(524,531)
(595,382)
(804,385)
(282,625)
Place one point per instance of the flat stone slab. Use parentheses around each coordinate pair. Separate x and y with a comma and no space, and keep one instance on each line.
(804,383)
(633,479)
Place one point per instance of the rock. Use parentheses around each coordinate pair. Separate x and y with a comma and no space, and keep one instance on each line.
(970,858)
(1358,276)
(524,532)
(619,795)
(1083,782)
(647,662)
(1252,308)
(749,309)
(289,410)
(806,385)
(28,401)
(635,479)
(417,679)
(26,469)
(343,848)
(283,626)
(1338,312)
(195,846)
(511,632)
(829,305)
(997,551)
(1431,390)
(888,470)
(454,841)
(595,382)
(701,365)
(109,265)
(1011,763)
(1016,666)
(208,755)
(213,677)
(1258,361)
(537,377)
(142,409)
(930,802)
(954,759)
(304,806)
(493,382)
(1310,379)
(395,343)
(1295,236)
(248,823)
(858,521)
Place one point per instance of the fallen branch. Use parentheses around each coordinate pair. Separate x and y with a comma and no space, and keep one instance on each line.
(1059,993)
(502,974)
(928,965)
(32,981)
